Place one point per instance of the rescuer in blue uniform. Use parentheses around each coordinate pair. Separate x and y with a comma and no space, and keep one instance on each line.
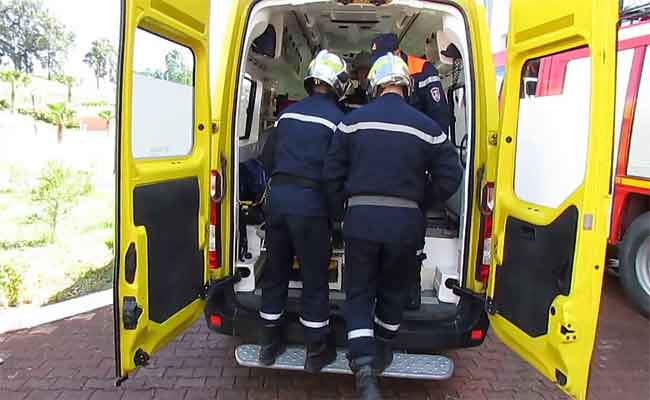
(428,96)
(377,165)
(297,222)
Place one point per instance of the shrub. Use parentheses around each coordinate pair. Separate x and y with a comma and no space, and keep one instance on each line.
(21,244)
(109,243)
(4,104)
(58,190)
(11,283)
(97,103)
(48,118)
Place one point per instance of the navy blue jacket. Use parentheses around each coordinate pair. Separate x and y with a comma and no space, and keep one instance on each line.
(429,96)
(387,148)
(297,147)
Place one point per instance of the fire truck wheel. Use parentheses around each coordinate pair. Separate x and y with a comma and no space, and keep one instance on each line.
(634,259)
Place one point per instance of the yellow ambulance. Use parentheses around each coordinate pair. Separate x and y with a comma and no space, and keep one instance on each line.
(519,248)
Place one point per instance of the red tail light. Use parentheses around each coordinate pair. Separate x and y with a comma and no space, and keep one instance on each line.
(484,268)
(476,335)
(215,320)
(213,229)
(485,246)
(487,199)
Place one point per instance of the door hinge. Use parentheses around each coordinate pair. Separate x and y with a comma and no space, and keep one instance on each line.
(493,139)
(490,308)
(214,127)
(203,293)
(130,313)
(141,358)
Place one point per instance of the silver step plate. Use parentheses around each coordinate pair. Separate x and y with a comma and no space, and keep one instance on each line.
(409,366)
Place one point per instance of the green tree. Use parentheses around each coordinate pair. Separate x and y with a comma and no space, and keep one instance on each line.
(107,116)
(58,43)
(69,82)
(15,79)
(11,283)
(61,115)
(29,34)
(176,70)
(58,190)
(101,59)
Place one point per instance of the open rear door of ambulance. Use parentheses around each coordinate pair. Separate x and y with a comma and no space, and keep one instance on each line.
(162,173)
(552,188)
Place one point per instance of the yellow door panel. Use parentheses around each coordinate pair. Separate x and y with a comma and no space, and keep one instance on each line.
(163,175)
(552,185)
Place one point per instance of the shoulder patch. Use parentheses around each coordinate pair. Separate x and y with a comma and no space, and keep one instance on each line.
(435,94)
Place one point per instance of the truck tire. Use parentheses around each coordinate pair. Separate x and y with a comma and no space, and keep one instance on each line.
(634,257)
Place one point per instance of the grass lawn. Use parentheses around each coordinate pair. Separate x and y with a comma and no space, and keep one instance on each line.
(78,259)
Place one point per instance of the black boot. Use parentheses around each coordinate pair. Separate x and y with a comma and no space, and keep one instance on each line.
(271,343)
(365,378)
(384,355)
(319,354)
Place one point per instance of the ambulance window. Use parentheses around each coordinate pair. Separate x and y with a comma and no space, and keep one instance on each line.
(162,102)
(552,132)
(638,160)
(246,108)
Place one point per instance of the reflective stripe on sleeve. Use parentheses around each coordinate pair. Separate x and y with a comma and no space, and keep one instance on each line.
(428,81)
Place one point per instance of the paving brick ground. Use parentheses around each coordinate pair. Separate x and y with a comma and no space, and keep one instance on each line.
(73,359)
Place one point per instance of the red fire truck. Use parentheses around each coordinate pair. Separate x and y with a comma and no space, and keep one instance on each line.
(629,234)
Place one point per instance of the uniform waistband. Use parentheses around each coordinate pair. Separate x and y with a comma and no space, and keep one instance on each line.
(382,201)
(295,180)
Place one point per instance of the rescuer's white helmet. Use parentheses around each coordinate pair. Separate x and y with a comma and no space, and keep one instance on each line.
(389,69)
(327,68)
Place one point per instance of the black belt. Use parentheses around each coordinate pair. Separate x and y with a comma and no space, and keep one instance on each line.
(296,180)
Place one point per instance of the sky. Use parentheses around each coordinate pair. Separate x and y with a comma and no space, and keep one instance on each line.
(89,20)
(94,19)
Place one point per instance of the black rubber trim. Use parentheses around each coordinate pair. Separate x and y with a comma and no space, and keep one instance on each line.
(170,212)
(118,176)
(537,267)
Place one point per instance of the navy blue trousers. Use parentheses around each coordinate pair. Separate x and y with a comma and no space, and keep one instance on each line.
(307,239)
(376,278)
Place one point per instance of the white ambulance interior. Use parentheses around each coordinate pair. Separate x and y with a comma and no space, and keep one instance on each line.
(271,75)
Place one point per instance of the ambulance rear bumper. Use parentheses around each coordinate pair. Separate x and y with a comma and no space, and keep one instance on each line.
(468,327)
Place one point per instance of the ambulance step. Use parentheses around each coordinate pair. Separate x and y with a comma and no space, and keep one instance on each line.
(408,366)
